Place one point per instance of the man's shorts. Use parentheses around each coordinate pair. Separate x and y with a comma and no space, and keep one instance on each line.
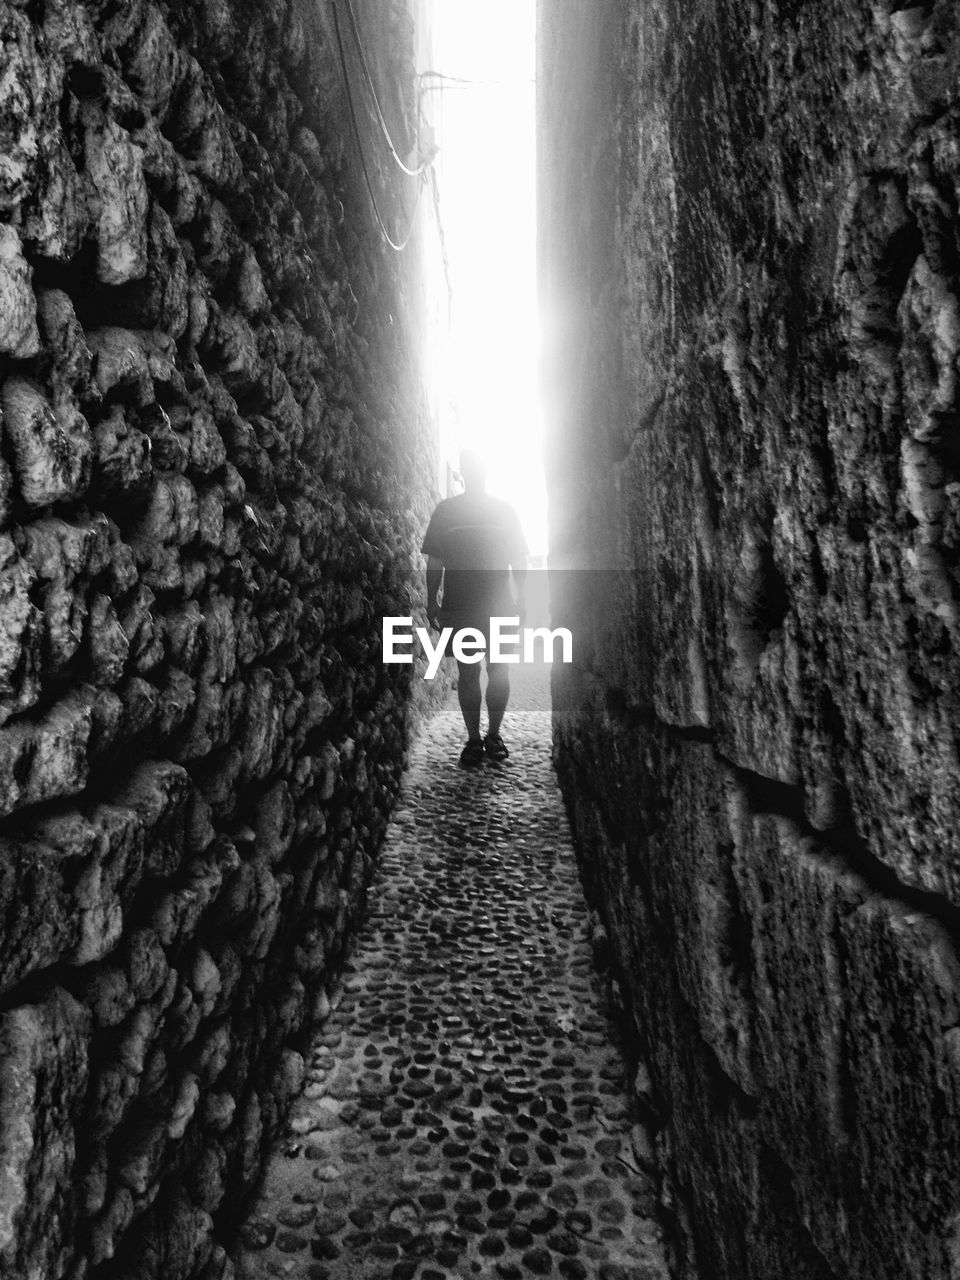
(461,619)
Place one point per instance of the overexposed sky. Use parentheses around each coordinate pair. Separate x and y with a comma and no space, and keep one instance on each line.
(487,176)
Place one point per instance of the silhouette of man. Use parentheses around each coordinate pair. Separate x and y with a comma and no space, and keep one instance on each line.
(472,544)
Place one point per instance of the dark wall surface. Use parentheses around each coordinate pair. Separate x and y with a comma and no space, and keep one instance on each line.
(213,472)
(751,259)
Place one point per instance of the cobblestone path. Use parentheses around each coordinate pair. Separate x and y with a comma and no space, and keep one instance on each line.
(466,1111)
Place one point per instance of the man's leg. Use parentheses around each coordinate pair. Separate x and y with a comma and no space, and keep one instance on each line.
(498,692)
(468,693)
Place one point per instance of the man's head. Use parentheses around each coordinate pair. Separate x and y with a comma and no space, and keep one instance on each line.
(473,471)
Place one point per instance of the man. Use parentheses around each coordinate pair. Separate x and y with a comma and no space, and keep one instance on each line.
(472,544)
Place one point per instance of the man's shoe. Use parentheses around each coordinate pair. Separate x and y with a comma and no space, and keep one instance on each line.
(493,745)
(472,754)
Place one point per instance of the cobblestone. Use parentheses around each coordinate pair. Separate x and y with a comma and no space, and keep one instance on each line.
(465,1112)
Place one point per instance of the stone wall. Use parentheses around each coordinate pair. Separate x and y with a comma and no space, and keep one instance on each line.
(751,262)
(212,448)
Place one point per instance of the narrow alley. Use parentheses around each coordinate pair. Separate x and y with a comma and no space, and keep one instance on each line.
(284,991)
(466,1112)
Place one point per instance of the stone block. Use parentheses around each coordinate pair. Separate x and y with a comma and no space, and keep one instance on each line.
(64,619)
(19,335)
(28,104)
(202,131)
(274,822)
(56,548)
(43,1075)
(52,450)
(153,62)
(20,632)
(234,346)
(69,34)
(120,360)
(35,889)
(123,465)
(146,964)
(47,759)
(64,338)
(142,629)
(161,298)
(176,700)
(115,166)
(207,450)
(853,993)
(157,791)
(262,723)
(59,217)
(110,1224)
(107,993)
(108,644)
(177,914)
(208,1182)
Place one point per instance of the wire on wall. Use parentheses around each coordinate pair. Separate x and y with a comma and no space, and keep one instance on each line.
(400,243)
(413,173)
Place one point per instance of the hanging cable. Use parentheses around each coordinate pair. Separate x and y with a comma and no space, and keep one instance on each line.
(413,173)
(439,75)
(397,245)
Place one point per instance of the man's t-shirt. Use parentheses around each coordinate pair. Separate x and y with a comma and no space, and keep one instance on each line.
(478,538)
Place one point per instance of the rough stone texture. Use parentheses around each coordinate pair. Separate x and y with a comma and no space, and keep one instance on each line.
(466,1111)
(751,270)
(213,452)
(43,1075)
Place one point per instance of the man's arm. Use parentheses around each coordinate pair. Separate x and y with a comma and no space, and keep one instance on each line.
(434,578)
